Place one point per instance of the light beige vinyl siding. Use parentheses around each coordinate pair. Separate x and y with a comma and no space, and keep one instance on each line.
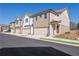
(41,24)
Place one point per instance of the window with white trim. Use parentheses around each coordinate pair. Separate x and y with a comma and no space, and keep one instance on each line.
(26,20)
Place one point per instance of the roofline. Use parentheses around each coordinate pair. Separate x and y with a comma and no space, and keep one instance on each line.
(28,14)
(49,10)
(46,11)
(12,22)
(20,17)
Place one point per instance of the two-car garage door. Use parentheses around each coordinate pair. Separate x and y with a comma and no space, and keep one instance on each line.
(18,30)
(26,31)
(40,31)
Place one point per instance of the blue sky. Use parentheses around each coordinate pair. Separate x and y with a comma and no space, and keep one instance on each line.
(9,11)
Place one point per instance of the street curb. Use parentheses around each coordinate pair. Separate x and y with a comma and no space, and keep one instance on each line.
(61,42)
(48,40)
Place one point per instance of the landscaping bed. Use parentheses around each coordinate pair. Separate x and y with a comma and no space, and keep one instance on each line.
(73,36)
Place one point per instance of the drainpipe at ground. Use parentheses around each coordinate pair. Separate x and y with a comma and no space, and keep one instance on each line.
(48,24)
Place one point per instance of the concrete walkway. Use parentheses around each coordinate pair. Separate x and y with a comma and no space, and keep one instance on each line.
(49,39)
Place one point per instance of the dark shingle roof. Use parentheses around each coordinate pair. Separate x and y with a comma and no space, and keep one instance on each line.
(50,10)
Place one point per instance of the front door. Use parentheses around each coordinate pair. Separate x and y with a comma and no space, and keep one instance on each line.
(57,27)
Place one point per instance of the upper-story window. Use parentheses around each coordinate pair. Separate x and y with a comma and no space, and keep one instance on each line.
(26,20)
(45,15)
(40,16)
(16,21)
(36,18)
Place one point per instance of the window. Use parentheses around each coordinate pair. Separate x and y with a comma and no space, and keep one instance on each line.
(40,16)
(54,26)
(36,18)
(16,21)
(26,20)
(26,25)
(57,28)
(45,15)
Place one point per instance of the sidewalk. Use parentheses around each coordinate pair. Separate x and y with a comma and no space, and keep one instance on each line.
(49,39)
(62,41)
(23,35)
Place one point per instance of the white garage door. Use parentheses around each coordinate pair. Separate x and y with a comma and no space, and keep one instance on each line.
(40,31)
(18,30)
(26,31)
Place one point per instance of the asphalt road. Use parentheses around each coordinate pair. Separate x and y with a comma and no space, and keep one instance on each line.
(13,45)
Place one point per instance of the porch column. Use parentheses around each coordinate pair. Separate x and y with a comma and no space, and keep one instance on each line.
(55,29)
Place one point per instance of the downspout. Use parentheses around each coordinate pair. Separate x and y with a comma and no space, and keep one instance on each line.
(33,25)
(29,19)
(1,29)
(48,24)
(20,27)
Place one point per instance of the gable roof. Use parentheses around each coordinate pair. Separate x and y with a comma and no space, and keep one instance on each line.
(12,22)
(28,14)
(50,10)
(19,18)
(61,10)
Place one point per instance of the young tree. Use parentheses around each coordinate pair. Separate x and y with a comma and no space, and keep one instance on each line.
(72,25)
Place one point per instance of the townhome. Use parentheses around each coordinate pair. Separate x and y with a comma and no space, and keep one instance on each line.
(12,27)
(19,25)
(47,23)
(27,24)
(4,28)
(50,22)
(1,28)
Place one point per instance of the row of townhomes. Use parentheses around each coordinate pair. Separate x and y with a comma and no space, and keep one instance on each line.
(47,23)
(4,28)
